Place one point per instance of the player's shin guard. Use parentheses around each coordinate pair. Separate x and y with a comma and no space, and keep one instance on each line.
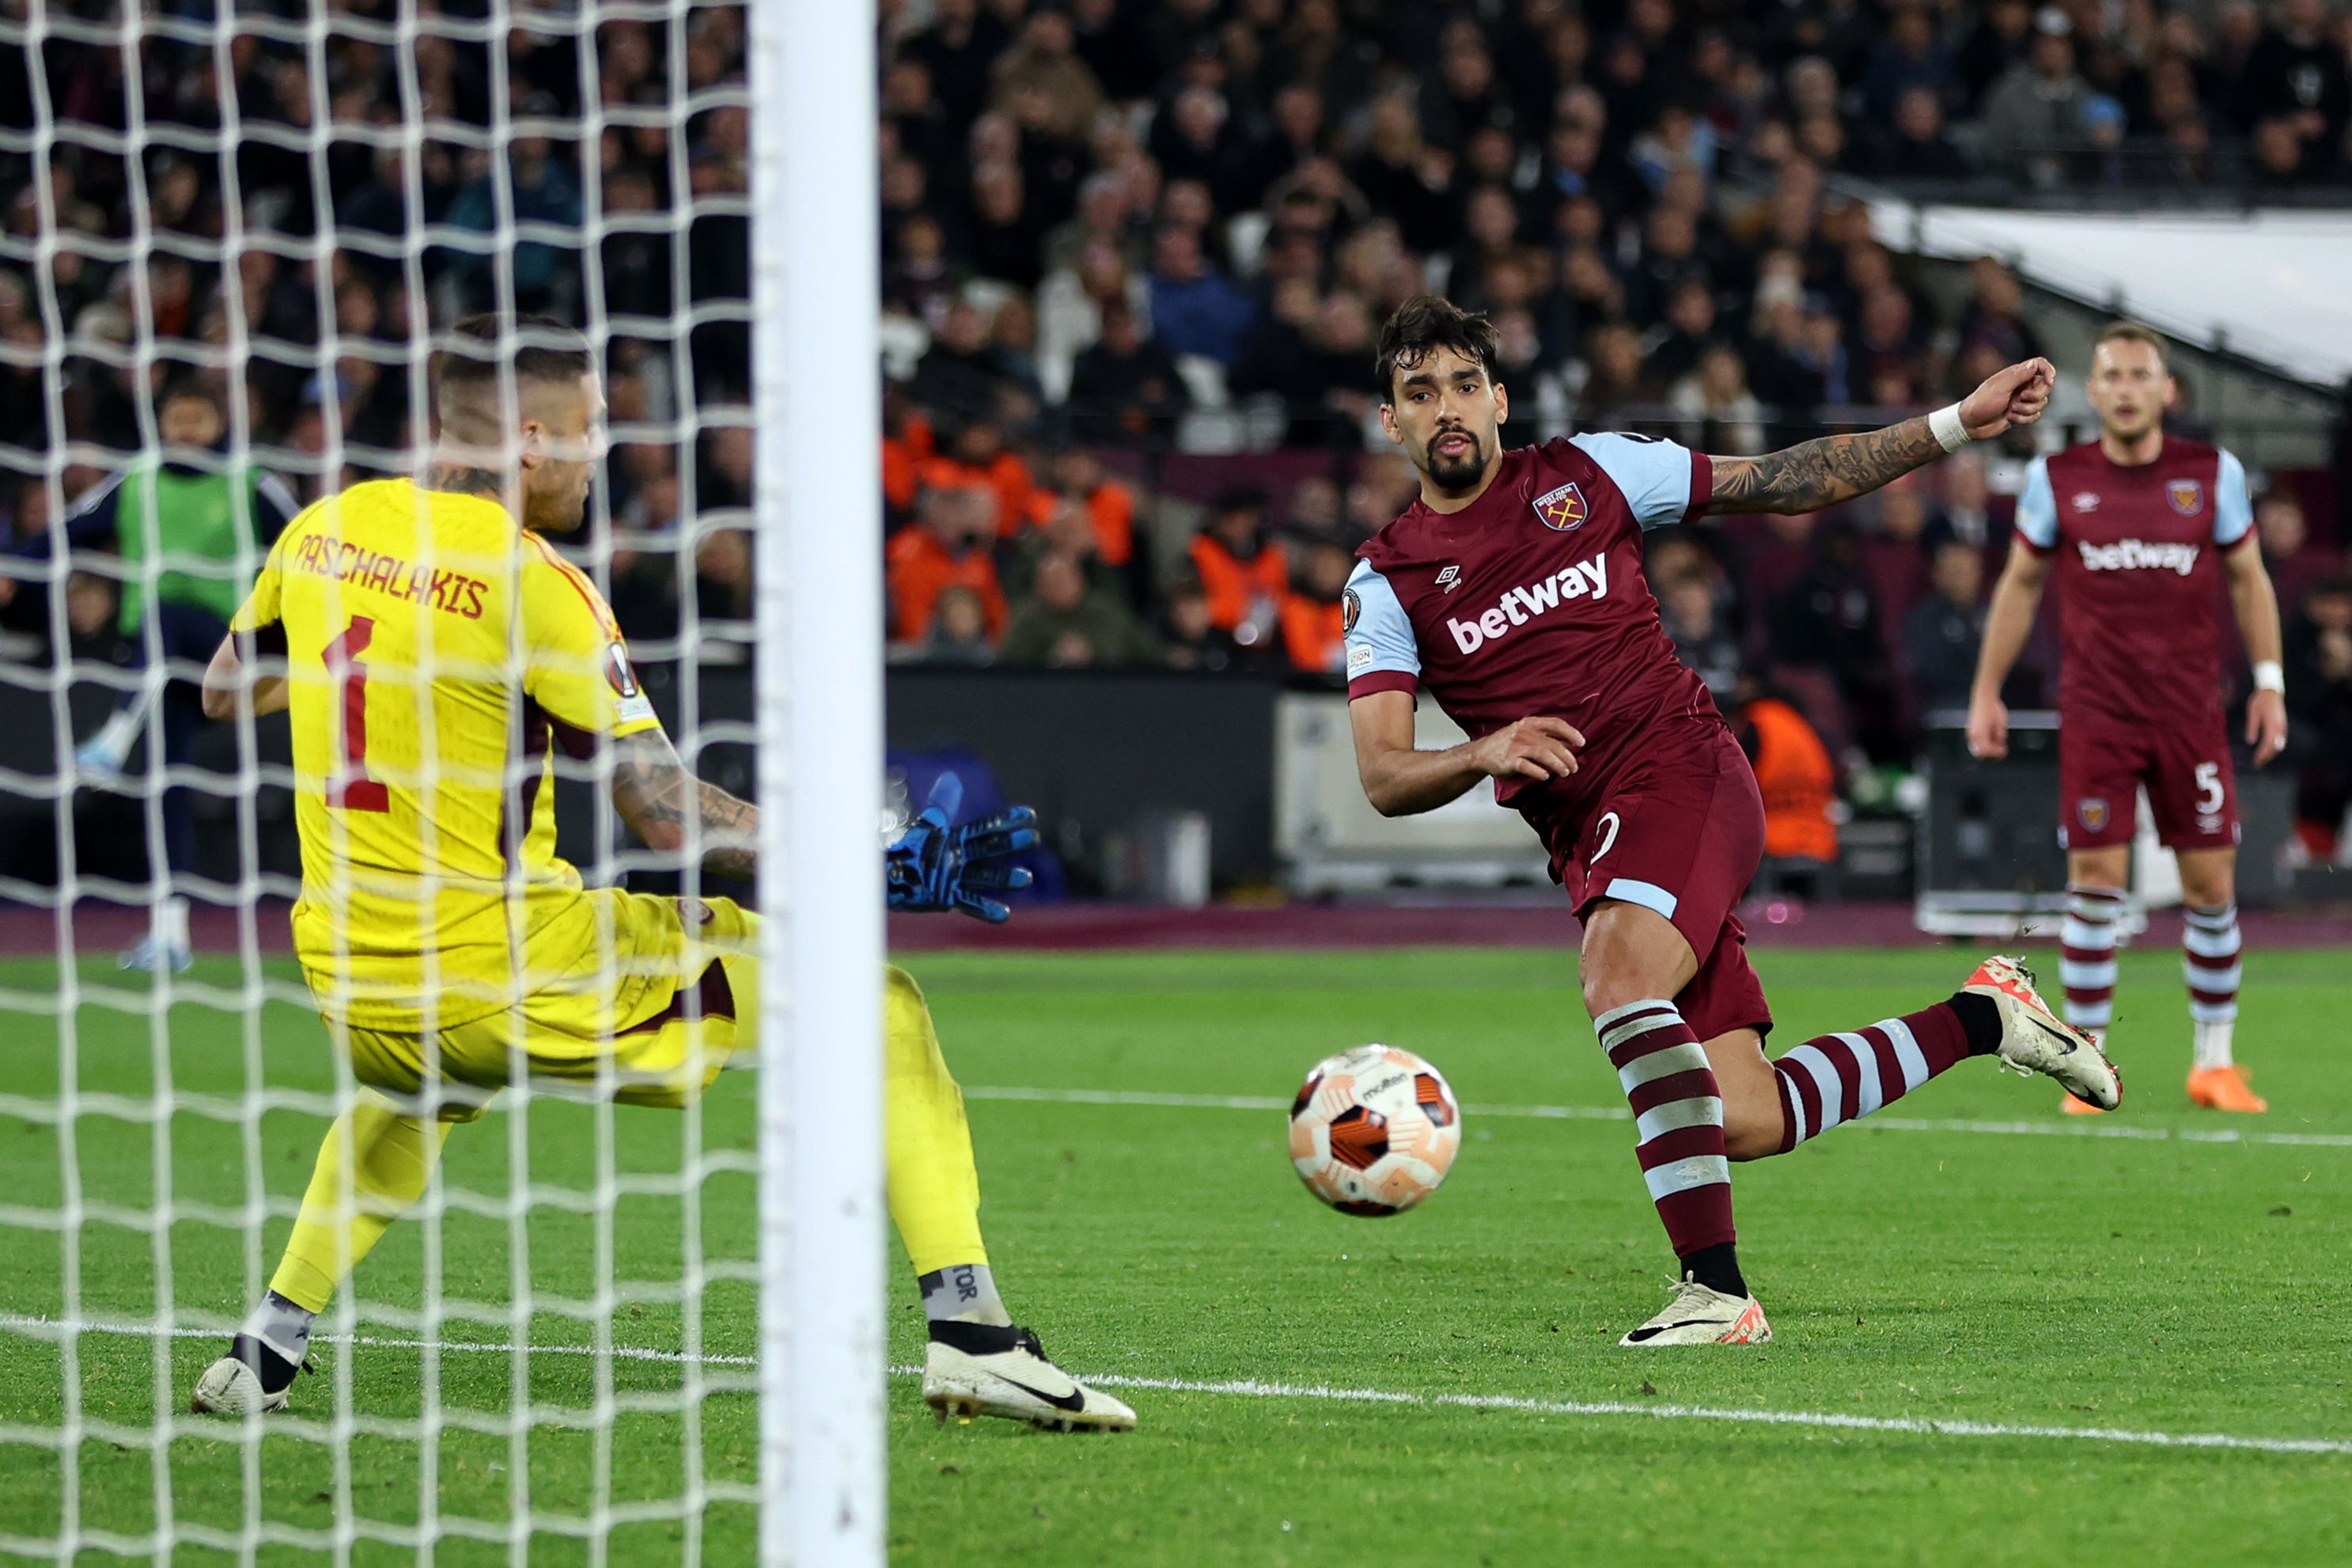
(390,1158)
(934,1188)
(2210,949)
(2087,956)
(1838,1078)
(1677,1121)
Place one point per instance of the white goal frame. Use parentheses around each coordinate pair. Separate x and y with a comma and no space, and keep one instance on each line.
(816,393)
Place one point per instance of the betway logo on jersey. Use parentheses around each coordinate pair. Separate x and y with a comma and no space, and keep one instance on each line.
(1520,605)
(2137,555)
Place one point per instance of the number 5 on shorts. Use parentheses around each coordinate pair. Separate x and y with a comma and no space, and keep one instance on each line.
(1608,826)
(2209,792)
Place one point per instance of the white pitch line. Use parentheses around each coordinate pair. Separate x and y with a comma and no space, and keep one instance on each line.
(1251,1388)
(2072,1129)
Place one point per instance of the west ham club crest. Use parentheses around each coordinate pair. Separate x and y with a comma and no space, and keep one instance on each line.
(2093,810)
(1562,509)
(2187,495)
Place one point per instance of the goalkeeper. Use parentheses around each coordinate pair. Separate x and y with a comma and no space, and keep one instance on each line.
(434,649)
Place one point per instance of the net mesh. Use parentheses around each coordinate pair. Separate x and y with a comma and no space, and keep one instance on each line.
(285,204)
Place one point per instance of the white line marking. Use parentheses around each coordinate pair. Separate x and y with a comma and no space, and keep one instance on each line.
(2070,1129)
(1251,1388)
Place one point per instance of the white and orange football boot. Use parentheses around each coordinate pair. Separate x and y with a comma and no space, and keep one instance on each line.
(2035,1039)
(2224,1088)
(1700,1315)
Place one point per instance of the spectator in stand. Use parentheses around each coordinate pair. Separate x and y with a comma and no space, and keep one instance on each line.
(961,376)
(1108,504)
(1693,620)
(1907,58)
(1994,316)
(1796,776)
(959,630)
(949,545)
(1041,85)
(1966,512)
(1313,613)
(2033,115)
(975,454)
(1194,309)
(1125,390)
(2285,537)
(1066,624)
(2294,82)
(1243,574)
(1827,621)
(1913,146)
(2001,39)
(1943,631)
(2319,706)
(1721,413)
(1191,640)
(1001,229)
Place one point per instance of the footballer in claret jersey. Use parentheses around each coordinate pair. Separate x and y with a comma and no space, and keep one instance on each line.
(2142,532)
(1512,593)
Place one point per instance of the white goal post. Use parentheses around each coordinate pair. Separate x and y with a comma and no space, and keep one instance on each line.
(817,302)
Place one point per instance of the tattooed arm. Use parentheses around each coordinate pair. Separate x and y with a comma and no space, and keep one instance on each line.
(653,794)
(1815,474)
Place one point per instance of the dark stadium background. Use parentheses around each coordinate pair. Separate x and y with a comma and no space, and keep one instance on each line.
(1134,258)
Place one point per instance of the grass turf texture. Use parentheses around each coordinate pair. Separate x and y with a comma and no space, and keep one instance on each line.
(2064,1280)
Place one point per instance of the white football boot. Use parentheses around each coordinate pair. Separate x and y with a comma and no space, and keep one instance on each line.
(1699,1315)
(231,1386)
(2034,1039)
(982,1369)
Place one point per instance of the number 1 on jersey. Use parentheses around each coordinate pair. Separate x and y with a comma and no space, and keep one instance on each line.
(350,788)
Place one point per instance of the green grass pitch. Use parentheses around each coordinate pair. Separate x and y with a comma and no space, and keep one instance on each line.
(2082,1280)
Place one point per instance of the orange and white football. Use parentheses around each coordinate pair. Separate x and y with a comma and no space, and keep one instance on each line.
(1374,1130)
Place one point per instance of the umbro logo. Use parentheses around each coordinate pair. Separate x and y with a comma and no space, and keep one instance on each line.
(2086,500)
(1450,578)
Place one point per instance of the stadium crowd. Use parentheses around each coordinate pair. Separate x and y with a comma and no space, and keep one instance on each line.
(1135,256)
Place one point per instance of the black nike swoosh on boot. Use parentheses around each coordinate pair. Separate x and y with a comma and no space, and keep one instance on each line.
(1648,1333)
(1076,1400)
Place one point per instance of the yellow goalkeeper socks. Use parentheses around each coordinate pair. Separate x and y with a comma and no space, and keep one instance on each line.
(934,1188)
(392,1157)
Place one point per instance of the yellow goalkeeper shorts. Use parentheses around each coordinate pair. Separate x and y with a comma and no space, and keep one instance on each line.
(615,1037)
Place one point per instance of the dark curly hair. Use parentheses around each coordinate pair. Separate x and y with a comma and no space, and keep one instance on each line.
(1427,323)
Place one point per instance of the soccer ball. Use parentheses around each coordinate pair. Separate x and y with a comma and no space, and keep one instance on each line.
(1374,1130)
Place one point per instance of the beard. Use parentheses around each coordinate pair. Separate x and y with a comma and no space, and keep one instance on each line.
(1455,473)
(557,512)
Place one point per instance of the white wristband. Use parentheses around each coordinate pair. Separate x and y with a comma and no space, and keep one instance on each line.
(2269,676)
(1945,426)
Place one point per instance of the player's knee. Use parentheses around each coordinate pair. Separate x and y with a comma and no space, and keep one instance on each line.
(2207,887)
(1745,1138)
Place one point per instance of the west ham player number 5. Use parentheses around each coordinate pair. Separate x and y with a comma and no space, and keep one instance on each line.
(2139,529)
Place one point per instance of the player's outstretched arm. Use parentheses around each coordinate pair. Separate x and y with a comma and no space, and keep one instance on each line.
(1401,781)
(2008,624)
(1833,468)
(655,794)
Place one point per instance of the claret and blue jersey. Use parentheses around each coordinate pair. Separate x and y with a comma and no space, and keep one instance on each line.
(1531,600)
(2135,551)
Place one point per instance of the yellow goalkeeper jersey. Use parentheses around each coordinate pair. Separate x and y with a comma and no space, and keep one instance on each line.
(436,652)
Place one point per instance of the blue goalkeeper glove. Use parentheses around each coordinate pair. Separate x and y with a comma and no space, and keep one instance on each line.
(932,866)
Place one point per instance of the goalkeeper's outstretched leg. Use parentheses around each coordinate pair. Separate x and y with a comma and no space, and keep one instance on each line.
(379,1156)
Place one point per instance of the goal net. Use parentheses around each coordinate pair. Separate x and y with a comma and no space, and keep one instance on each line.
(234,237)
